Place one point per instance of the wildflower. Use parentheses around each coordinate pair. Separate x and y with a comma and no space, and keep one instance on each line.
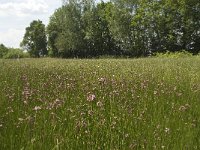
(90,112)
(82,113)
(91,97)
(126,135)
(86,131)
(20,119)
(178,94)
(167,130)
(33,140)
(36,108)
(102,80)
(10,110)
(143,86)
(58,102)
(155,92)
(184,107)
(99,104)
(31,120)
(162,146)
(187,105)
(175,88)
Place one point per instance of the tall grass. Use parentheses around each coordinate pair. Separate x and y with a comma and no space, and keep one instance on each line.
(100,104)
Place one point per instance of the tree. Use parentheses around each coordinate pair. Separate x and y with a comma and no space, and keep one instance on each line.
(66,37)
(120,19)
(3,50)
(34,40)
(54,28)
(83,28)
(167,25)
(97,32)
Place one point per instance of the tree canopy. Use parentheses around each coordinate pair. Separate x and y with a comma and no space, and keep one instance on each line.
(3,50)
(135,28)
(34,40)
(11,53)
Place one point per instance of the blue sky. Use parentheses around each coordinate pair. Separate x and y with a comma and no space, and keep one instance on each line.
(16,15)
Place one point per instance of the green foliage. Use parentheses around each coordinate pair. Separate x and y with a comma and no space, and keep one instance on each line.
(15,53)
(65,31)
(12,53)
(133,28)
(179,54)
(106,104)
(3,50)
(97,33)
(120,24)
(34,40)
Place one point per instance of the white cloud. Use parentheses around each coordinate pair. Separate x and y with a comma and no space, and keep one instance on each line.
(12,37)
(23,8)
(16,15)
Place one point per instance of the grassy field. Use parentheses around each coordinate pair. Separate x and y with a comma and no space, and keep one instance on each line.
(105,104)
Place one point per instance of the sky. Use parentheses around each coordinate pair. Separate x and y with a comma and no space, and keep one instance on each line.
(16,15)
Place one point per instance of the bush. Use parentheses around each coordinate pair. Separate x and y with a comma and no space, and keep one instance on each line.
(3,50)
(15,53)
(179,54)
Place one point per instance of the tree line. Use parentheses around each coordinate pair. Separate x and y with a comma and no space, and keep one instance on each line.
(134,28)
(10,53)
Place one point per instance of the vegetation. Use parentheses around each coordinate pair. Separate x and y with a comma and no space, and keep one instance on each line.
(181,54)
(16,53)
(3,50)
(100,104)
(105,103)
(34,40)
(124,27)
(118,28)
(11,53)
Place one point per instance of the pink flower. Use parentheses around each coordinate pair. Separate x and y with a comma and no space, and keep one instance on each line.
(91,97)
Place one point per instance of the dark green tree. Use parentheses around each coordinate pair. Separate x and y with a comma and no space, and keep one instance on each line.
(167,25)
(54,28)
(97,32)
(85,28)
(34,40)
(120,15)
(65,32)
(3,50)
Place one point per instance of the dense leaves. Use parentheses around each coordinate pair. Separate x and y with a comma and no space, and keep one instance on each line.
(34,40)
(3,50)
(11,53)
(85,28)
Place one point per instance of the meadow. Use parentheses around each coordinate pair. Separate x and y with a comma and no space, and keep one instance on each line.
(105,104)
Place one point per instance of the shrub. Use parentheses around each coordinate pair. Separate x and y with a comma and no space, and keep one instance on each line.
(3,50)
(15,53)
(178,54)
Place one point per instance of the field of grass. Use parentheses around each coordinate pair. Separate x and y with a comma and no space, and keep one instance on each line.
(105,104)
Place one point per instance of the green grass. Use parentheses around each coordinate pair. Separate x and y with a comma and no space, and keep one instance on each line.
(100,104)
